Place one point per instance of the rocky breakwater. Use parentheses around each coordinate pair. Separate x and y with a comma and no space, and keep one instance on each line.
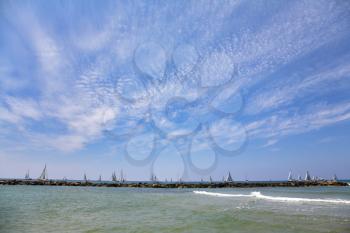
(194,185)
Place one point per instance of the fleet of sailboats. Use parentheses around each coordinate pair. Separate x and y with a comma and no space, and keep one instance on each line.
(153,178)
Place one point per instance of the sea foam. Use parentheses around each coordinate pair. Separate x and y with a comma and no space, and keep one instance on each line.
(272,198)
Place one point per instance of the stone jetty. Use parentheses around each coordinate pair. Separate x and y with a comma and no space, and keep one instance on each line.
(194,185)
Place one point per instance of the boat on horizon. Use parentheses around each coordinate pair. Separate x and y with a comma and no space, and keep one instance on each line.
(114,177)
(335,178)
(122,179)
(307,176)
(229,178)
(27,177)
(44,175)
(290,177)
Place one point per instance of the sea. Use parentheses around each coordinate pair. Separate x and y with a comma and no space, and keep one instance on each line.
(101,209)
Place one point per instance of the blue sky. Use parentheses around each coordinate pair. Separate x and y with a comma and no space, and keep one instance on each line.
(187,89)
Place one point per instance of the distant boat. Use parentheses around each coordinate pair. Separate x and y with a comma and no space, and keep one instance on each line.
(229,178)
(153,177)
(290,177)
(100,179)
(299,177)
(307,176)
(64,179)
(122,179)
(85,178)
(335,178)
(201,180)
(43,175)
(27,177)
(114,177)
(210,179)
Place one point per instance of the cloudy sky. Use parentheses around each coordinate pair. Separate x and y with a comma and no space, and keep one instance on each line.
(181,89)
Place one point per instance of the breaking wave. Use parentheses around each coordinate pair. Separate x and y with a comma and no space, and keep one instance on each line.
(283,199)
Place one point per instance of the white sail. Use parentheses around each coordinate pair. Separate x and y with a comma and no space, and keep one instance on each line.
(114,177)
(153,178)
(122,179)
(290,178)
(229,178)
(43,175)
(335,178)
(307,176)
(27,177)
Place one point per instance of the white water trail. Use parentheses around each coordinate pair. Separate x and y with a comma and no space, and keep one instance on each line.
(282,199)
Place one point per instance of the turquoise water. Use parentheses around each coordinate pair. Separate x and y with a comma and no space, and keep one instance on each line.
(89,209)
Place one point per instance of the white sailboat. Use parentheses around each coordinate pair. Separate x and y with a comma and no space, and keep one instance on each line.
(229,178)
(307,176)
(290,178)
(27,177)
(335,178)
(122,179)
(153,177)
(114,177)
(44,175)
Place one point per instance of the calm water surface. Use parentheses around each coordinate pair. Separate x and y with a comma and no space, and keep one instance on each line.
(90,209)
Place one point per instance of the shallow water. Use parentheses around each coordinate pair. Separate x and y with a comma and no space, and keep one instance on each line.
(91,209)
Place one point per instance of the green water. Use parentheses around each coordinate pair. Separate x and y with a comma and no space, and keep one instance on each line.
(88,209)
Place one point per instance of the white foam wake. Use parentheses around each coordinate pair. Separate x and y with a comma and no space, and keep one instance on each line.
(283,199)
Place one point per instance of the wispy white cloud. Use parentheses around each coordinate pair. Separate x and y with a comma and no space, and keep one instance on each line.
(295,31)
(286,90)
(280,124)
(270,142)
